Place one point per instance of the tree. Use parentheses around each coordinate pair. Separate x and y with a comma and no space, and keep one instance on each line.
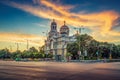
(118,46)
(26,54)
(84,41)
(42,52)
(32,53)
(49,55)
(94,48)
(68,56)
(33,49)
(41,49)
(116,51)
(16,54)
(4,53)
(72,48)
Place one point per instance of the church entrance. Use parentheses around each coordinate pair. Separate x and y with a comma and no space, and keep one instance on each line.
(58,57)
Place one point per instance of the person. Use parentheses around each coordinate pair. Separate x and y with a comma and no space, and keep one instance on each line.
(97,55)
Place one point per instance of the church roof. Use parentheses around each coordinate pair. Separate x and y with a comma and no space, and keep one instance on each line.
(53,23)
(64,26)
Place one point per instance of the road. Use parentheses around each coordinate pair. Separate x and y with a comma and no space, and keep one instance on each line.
(11,70)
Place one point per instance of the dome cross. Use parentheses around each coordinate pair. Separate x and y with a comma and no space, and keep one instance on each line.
(64,22)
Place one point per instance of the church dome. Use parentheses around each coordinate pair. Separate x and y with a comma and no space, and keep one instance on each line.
(64,29)
(53,23)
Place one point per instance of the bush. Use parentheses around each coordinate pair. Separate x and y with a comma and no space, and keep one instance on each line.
(49,55)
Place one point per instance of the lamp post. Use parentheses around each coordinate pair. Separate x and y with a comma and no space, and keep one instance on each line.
(80,31)
(27,46)
(10,48)
(46,52)
(85,51)
(27,43)
(110,54)
(17,46)
(97,52)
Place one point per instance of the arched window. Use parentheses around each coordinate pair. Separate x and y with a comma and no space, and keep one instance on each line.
(55,26)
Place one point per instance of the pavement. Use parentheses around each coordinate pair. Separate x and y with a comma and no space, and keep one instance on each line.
(12,70)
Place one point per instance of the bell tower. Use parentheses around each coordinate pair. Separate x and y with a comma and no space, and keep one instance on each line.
(53,29)
(53,26)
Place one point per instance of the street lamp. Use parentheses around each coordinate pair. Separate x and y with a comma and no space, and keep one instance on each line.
(27,44)
(97,49)
(17,46)
(110,54)
(10,48)
(85,51)
(80,31)
(46,52)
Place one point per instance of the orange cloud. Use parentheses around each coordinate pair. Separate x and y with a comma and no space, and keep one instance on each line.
(100,23)
(22,38)
(61,9)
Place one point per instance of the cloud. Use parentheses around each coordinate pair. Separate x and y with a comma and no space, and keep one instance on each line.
(40,25)
(116,23)
(22,38)
(59,8)
(101,23)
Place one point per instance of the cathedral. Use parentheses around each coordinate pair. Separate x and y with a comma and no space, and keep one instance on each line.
(57,41)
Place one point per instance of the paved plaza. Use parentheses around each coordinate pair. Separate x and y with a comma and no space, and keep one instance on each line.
(12,70)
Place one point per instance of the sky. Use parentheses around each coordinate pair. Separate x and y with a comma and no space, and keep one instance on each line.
(26,20)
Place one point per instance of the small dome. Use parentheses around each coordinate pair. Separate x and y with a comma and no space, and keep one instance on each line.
(64,26)
(53,23)
(64,29)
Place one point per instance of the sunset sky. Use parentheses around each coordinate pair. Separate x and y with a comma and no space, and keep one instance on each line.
(22,20)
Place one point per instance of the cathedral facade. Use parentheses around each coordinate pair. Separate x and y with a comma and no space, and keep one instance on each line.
(56,42)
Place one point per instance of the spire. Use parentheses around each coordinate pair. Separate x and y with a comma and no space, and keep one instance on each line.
(64,22)
(53,20)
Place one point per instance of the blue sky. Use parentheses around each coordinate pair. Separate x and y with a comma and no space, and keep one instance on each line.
(32,17)
(18,21)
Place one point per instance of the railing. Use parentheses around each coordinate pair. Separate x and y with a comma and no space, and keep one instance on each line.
(100,60)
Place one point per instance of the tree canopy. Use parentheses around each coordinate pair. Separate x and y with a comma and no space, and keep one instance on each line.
(92,46)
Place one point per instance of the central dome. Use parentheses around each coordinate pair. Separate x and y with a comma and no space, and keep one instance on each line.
(64,29)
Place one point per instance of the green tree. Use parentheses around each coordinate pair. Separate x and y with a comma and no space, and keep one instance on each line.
(49,55)
(72,48)
(32,53)
(16,54)
(84,41)
(33,49)
(41,49)
(4,53)
(25,54)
